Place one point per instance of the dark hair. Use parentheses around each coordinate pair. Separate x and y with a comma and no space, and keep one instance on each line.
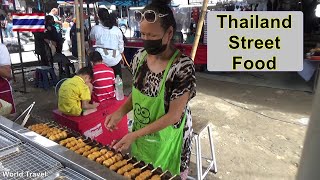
(105,17)
(162,7)
(95,56)
(114,17)
(86,71)
(48,18)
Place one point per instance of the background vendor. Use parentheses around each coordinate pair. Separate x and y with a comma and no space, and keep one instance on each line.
(5,87)
(163,84)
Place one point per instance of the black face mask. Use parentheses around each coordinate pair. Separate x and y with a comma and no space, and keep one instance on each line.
(154,47)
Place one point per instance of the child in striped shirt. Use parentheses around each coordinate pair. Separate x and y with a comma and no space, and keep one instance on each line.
(103,79)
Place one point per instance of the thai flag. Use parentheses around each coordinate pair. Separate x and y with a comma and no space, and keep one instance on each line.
(29,22)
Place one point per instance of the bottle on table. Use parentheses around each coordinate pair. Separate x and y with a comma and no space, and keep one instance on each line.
(119,88)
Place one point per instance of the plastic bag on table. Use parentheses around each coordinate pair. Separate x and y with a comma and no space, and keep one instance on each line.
(5,108)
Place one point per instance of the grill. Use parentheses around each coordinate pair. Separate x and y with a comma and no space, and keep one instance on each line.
(94,144)
(7,140)
(67,173)
(21,160)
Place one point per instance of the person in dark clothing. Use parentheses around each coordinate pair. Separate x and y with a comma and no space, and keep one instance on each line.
(38,46)
(51,33)
(73,38)
(46,42)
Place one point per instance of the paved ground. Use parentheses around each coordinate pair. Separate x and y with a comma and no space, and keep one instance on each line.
(258,132)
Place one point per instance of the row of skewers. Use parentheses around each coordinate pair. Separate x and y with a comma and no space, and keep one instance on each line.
(115,161)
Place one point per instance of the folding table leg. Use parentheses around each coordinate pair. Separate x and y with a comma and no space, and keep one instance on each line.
(198,156)
(213,168)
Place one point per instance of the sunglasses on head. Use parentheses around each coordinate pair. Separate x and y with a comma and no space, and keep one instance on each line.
(149,15)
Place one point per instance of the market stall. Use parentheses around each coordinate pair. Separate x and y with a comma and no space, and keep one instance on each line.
(50,151)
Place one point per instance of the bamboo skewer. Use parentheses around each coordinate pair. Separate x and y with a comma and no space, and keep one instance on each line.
(163,173)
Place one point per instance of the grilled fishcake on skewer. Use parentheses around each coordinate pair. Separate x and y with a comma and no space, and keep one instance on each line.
(65,141)
(119,164)
(144,175)
(93,156)
(83,149)
(134,172)
(58,136)
(86,153)
(104,157)
(155,177)
(125,168)
(112,160)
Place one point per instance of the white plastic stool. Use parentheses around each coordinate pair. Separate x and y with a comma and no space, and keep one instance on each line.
(197,139)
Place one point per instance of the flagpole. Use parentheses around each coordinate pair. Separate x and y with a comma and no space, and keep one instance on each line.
(20,54)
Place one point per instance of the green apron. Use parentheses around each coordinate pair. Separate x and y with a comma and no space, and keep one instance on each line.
(163,148)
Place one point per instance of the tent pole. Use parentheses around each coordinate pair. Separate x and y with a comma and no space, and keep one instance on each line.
(1,35)
(95,11)
(83,53)
(309,161)
(89,13)
(78,24)
(121,12)
(199,29)
(39,5)
(20,54)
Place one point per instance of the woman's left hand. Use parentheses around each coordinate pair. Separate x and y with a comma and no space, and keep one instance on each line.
(125,142)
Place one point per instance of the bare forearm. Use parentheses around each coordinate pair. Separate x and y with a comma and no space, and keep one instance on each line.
(87,105)
(127,106)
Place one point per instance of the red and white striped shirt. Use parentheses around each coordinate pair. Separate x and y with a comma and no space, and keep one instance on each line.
(103,83)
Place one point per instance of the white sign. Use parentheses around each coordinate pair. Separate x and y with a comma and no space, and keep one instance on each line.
(255,41)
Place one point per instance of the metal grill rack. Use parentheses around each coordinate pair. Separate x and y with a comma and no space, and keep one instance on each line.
(7,140)
(26,158)
(67,173)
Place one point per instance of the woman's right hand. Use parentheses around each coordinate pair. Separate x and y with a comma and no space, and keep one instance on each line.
(112,120)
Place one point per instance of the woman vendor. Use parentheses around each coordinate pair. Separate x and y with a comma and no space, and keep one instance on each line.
(164,82)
